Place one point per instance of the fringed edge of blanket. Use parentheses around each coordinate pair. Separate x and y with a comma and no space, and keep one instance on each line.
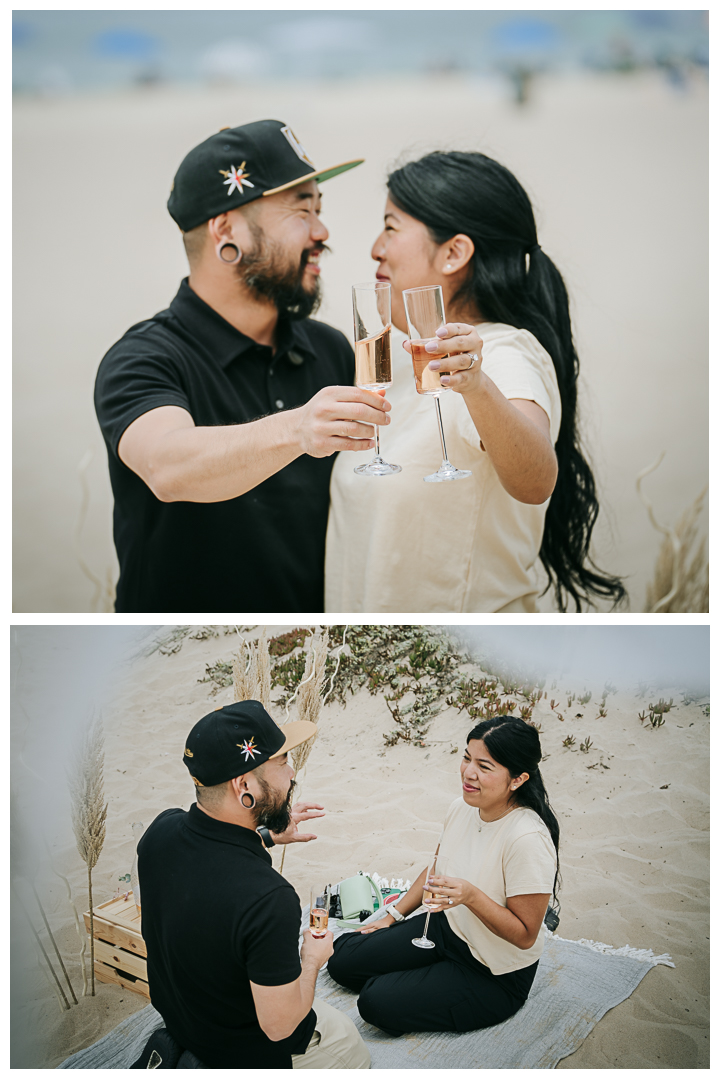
(646,956)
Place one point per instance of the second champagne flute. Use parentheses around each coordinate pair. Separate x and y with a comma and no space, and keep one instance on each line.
(425,312)
(373,364)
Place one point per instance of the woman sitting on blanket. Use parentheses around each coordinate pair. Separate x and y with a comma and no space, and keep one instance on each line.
(500,844)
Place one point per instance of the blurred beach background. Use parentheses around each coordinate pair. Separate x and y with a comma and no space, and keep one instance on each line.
(632,800)
(602,115)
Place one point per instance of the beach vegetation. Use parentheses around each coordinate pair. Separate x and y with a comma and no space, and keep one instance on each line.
(656,713)
(569,742)
(220,674)
(287,643)
(585,746)
(288,674)
(170,640)
(204,633)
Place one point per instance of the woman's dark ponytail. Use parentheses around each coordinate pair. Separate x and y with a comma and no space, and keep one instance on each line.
(515,745)
(513,281)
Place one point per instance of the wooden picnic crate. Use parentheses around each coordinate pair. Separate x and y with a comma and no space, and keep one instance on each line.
(120,951)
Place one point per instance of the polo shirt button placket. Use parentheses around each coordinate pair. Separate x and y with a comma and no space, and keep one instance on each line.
(279,403)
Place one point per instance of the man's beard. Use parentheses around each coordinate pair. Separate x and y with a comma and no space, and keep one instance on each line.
(274,815)
(266,273)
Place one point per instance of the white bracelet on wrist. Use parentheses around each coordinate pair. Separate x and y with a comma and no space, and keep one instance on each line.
(397,916)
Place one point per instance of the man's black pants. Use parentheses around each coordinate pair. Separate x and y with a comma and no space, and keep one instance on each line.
(403,988)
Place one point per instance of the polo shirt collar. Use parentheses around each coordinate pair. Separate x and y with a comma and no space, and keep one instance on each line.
(224,831)
(223,340)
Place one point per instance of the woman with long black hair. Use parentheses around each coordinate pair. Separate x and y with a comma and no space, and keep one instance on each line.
(500,842)
(463,221)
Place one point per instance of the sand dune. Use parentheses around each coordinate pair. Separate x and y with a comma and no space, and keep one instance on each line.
(616,167)
(634,839)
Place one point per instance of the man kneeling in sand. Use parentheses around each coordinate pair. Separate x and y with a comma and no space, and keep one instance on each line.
(221,925)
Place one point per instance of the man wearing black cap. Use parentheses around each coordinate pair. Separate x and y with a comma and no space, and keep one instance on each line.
(223,413)
(221,925)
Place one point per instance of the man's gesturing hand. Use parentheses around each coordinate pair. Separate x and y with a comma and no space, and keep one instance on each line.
(340,418)
(304,811)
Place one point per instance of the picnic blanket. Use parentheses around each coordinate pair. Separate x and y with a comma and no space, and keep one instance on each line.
(576,983)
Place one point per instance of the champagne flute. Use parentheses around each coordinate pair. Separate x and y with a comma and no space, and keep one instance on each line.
(319,910)
(425,312)
(373,364)
(424,942)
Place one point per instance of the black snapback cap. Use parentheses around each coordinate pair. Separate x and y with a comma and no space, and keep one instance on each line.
(235,739)
(238,165)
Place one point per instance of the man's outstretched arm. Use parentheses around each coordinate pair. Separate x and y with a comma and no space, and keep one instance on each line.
(281,1008)
(180,462)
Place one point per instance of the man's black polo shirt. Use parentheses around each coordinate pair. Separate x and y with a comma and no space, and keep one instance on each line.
(263,551)
(215,917)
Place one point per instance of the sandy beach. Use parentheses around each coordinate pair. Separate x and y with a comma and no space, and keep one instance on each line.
(616,167)
(633,813)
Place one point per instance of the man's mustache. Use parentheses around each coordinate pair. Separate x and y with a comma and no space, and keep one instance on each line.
(320,249)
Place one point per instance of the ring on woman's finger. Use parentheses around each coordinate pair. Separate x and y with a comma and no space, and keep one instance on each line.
(473,360)
(449,901)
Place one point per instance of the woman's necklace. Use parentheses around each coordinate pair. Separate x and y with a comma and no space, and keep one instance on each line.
(481,823)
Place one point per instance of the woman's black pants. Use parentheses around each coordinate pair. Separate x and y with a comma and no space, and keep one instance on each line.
(404,988)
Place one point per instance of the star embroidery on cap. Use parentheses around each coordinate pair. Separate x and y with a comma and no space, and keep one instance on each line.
(249,749)
(236,178)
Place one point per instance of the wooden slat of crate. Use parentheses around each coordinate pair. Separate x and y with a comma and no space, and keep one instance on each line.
(106,974)
(118,923)
(119,946)
(122,959)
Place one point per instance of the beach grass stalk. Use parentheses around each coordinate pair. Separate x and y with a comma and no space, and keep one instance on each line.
(252,670)
(310,702)
(43,951)
(54,943)
(89,810)
(681,578)
(310,699)
(79,930)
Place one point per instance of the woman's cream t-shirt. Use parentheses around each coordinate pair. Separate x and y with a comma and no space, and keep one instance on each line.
(395,543)
(512,856)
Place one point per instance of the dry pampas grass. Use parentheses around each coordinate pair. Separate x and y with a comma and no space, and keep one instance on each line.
(89,810)
(681,578)
(310,698)
(251,671)
(309,695)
